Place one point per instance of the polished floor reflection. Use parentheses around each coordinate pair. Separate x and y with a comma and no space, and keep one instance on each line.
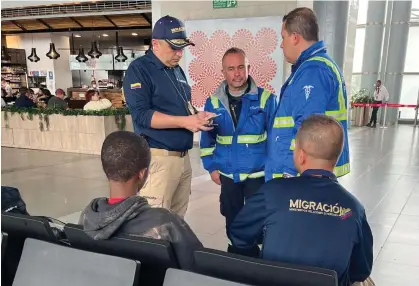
(384,176)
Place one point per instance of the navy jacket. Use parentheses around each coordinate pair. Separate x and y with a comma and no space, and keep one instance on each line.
(150,86)
(238,152)
(24,102)
(308,220)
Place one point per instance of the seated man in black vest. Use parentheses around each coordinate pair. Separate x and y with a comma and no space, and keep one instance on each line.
(125,159)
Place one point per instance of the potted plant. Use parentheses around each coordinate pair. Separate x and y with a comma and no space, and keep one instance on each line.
(360,115)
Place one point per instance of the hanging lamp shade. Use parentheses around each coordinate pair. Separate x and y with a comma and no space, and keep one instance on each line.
(52,54)
(33,57)
(120,57)
(94,52)
(81,57)
(5,57)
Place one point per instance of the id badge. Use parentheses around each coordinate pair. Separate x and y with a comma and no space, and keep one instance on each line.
(191,108)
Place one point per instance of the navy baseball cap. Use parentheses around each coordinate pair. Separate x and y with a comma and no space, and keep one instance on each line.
(171,30)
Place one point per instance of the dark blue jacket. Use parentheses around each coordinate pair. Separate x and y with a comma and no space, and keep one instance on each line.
(151,86)
(238,152)
(308,220)
(24,102)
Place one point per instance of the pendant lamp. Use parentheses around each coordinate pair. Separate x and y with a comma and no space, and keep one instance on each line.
(81,58)
(120,57)
(33,57)
(5,57)
(52,54)
(94,52)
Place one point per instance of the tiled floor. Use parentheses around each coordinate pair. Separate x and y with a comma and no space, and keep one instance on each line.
(385,177)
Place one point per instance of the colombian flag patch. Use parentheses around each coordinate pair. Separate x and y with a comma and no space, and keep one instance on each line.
(135,85)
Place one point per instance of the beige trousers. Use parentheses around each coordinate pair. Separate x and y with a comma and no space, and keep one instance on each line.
(169,183)
(368,282)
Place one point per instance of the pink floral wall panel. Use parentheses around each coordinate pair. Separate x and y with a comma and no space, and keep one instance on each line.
(258,37)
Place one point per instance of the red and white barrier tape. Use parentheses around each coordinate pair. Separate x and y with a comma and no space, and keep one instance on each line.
(382,105)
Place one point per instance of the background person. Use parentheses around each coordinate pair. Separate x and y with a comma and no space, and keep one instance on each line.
(380,95)
(57,101)
(311,219)
(243,110)
(96,102)
(23,101)
(159,99)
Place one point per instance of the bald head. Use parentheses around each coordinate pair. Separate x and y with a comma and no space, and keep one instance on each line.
(320,141)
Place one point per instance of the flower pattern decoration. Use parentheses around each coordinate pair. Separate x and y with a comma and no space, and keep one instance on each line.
(205,68)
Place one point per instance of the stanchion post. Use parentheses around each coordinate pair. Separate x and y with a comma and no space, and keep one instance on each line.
(385,115)
(416,112)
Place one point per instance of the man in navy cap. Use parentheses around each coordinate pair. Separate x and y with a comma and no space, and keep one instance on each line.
(159,99)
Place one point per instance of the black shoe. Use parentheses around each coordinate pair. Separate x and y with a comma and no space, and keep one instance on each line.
(368,125)
(372,126)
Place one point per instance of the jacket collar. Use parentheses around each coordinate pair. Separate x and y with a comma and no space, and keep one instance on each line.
(316,48)
(252,94)
(152,58)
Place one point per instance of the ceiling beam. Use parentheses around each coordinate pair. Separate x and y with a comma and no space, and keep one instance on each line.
(85,14)
(77,30)
(110,21)
(45,24)
(18,25)
(145,16)
(77,22)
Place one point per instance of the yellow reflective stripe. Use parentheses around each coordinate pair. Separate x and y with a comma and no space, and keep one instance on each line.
(264,98)
(226,175)
(251,139)
(339,171)
(338,115)
(225,140)
(277,176)
(245,176)
(284,122)
(207,151)
(214,101)
(252,176)
(341,99)
(292,147)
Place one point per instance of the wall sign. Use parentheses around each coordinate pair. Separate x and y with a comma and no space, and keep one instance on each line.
(218,4)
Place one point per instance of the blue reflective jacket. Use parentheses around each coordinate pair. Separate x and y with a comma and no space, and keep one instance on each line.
(238,153)
(316,85)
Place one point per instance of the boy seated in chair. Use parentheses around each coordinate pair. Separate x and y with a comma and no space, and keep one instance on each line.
(125,160)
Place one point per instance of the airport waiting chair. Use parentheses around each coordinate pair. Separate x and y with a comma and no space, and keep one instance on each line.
(4,237)
(175,277)
(156,256)
(260,272)
(48,264)
(19,227)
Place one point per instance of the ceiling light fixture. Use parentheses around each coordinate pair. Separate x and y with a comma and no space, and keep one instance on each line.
(105,35)
(81,58)
(134,34)
(52,53)
(77,36)
(33,57)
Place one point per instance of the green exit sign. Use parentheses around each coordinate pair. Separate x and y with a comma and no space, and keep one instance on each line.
(217,4)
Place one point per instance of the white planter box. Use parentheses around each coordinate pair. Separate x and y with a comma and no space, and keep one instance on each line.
(78,134)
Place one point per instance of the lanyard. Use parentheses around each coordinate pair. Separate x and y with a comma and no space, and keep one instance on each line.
(319,173)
